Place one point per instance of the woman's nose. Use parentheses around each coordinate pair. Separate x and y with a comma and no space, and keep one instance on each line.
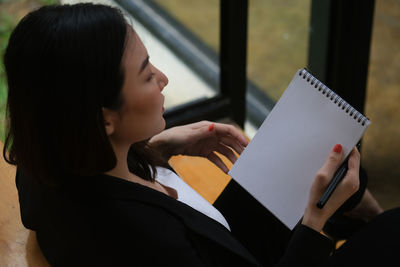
(163,80)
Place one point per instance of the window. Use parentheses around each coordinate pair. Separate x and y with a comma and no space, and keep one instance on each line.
(277,43)
(194,27)
(380,154)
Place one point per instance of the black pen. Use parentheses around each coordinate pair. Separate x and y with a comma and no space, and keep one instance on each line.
(337,177)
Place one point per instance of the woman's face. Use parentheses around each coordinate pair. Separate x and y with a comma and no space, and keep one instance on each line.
(141,114)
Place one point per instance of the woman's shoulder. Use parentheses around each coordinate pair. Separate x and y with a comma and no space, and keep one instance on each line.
(90,198)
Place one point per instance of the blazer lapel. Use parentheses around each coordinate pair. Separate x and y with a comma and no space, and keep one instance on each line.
(196,221)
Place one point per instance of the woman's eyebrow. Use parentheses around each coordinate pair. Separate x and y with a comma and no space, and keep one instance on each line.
(144,64)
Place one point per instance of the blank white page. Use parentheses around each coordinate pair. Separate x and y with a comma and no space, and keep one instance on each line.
(279,164)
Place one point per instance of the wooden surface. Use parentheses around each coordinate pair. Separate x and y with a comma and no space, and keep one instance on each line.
(202,175)
(18,246)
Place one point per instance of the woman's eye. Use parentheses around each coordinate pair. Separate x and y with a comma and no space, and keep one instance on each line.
(151,76)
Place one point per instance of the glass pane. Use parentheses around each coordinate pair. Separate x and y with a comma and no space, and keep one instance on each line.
(277,43)
(380,153)
(199,16)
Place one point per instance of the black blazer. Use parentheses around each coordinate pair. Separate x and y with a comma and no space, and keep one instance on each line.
(107,221)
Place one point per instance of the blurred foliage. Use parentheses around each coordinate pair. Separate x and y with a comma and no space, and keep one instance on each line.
(47,2)
(6,25)
(8,20)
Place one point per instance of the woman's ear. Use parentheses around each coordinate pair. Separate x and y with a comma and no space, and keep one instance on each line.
(109,117)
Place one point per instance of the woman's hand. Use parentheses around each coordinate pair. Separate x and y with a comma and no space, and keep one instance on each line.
(201,139)
(315,217)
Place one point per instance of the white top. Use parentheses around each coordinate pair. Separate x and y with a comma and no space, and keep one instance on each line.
(188,195)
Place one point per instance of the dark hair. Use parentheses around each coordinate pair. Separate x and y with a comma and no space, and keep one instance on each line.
(63,64)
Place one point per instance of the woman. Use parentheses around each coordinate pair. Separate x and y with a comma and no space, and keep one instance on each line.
(86,130)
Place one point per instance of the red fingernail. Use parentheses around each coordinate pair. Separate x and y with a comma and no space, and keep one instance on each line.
(211,127)
(337,148)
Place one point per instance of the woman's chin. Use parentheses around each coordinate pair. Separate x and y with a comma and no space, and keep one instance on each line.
(161,127)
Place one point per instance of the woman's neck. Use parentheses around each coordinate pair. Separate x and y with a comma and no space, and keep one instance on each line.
(121,170)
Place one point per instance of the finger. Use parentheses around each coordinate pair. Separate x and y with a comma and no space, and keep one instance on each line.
(202,130)
(326,172)
(352,175)
(226,129)
(218,162)
(232,143)
(227,152)
(354,160)
(200,124)
(350,183)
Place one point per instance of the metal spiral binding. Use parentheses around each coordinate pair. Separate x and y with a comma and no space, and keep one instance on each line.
(336,99)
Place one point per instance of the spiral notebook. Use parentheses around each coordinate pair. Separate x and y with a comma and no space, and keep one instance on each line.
(279,164)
